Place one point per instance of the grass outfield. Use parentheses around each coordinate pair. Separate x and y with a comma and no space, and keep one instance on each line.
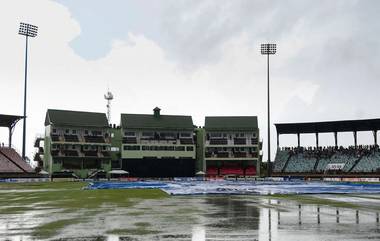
(61,204)
(67,197)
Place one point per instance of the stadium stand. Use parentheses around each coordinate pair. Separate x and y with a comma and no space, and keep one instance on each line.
(12,162)
(281,159)
(356,160)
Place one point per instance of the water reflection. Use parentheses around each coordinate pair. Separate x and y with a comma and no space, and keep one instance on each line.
(217,218)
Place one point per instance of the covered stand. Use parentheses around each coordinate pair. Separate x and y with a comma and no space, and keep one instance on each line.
(328,127)
(10,122)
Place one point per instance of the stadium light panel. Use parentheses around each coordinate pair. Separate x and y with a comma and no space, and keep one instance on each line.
(28,30)
(268,48)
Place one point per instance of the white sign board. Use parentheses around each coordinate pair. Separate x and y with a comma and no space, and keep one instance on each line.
(335,166)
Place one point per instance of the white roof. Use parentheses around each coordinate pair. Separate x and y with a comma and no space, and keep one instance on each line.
(118,172)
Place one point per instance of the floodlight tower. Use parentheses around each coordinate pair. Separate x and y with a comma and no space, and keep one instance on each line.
(27,30)
(108,96)
(268,49)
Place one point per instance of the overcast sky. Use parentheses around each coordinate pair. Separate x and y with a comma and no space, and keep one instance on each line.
(194,58)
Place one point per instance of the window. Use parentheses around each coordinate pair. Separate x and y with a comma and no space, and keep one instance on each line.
(54,131)
(167,135)
(131,148)
(216,135)
(185,134)
(147,134)
(129,133)
(189,148)
(180,148)
(86,132)
(67,131)
(74,132)
(241,134)
(254,134)
(96,133)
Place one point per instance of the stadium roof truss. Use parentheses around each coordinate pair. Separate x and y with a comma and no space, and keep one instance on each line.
(10,122)
(329,127)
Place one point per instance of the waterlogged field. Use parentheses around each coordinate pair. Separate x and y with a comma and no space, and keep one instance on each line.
(64,211)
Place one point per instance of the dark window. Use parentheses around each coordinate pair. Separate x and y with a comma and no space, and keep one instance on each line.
(148,134)
(54,131)
(130,133)
(131,148)
(189,148)
(74,132)
(179,148)
(67,131)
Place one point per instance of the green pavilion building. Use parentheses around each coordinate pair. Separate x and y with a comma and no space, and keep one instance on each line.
(231,146)
(155,145)
(76,142)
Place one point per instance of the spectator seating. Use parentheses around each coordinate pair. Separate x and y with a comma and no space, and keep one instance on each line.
(94,139)
(231,171)
(220,141)
(300,163)
(91,153)
(70,152)
(212,171)
(240,154)
(186,141)
(240,141)
(368,163)
(250,171)
(16,159)
(55,137)
(6,166)
(129,140)
(280,160)
(71,138)
(360,159)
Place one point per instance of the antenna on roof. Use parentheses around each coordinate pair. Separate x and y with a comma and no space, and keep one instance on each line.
(108,96)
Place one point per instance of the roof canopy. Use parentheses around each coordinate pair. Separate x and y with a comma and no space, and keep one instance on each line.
(75,118)
(231,123)
(166,122)
(9,120)
(328,126)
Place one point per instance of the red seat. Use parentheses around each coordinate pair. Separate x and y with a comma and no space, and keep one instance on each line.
(212,171)
(232,171)
(250,171)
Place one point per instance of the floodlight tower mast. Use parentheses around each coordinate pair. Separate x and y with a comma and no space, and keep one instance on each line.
(108,96)
(27,30)
(268,49)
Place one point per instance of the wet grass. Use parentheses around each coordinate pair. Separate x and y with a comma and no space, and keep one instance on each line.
(75,204)
(50,229)
(70,195)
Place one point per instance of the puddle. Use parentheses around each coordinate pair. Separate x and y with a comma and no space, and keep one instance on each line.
(201,218)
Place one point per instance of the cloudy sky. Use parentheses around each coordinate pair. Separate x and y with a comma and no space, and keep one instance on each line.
(194,58)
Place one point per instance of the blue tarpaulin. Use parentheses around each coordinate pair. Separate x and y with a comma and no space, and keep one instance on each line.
(241,187)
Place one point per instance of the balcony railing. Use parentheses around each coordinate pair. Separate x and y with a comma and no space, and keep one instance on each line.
(218,141)
(240,141)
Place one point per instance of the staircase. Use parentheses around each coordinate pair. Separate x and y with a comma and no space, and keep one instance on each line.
(356,163)
(286,163)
